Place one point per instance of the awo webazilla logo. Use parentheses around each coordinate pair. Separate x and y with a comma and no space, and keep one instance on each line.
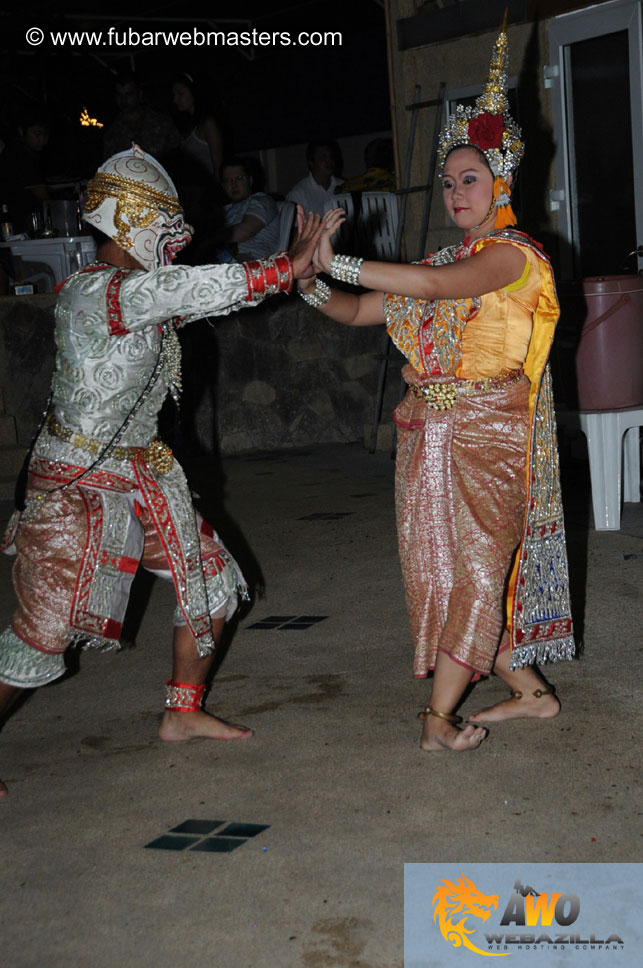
(530,919)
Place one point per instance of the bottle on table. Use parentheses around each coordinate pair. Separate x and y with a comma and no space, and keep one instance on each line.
(6,225)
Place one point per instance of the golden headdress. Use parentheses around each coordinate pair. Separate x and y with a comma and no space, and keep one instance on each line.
(488,126)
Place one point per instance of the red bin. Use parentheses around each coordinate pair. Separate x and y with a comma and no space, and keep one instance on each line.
(609,357)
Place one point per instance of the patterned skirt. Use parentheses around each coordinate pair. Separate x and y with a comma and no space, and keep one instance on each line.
(460,504)
(77,556)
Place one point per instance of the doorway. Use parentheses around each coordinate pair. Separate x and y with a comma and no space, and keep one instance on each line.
(596,78)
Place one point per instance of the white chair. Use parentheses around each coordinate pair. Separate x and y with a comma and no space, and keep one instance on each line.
(614,460)
(286,220)
(341,240)
(377,224)
(374,234)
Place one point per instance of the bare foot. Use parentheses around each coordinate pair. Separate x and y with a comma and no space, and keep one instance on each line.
(441,735)
(176,726)
(528,706)
(3,790)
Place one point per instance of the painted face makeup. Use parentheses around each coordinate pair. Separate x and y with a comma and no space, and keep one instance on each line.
(173,236)
(467,189)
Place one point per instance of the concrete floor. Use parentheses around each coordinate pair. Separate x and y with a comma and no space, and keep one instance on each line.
(334,769)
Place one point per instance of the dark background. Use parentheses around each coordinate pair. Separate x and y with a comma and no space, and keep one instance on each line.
(267,96)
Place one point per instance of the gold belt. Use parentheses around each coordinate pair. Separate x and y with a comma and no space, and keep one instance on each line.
(157,453)
(442,396)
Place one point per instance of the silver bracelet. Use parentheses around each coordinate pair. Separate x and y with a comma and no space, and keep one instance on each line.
(346,268)
(319,296)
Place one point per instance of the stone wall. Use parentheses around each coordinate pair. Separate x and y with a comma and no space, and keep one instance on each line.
(277,376)
(27,352)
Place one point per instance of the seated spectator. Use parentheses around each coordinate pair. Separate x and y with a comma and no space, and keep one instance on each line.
(22,179)
(324,162)
(152,130)
(251,218)
(379,175)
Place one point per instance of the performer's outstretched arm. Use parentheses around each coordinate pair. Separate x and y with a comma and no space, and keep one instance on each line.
(490,269)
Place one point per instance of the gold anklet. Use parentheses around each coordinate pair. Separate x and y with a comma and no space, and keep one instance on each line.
(450,717)
(549,691)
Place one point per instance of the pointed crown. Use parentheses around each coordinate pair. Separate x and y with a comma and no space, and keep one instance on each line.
(487,125)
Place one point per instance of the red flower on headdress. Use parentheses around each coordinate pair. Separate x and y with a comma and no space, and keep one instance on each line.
(485,131)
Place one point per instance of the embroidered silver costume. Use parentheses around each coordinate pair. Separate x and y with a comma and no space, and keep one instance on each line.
(104,494)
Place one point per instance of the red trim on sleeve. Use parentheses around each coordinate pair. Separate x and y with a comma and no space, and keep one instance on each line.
(284,273)
(269,276)
(255,278)
(113,301)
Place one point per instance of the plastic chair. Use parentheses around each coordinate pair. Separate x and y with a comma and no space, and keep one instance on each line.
(286,221)
(341,240)
(377,225)
(373,234)
(614,460)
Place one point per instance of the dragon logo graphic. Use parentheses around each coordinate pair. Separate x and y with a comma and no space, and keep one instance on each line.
(454,903)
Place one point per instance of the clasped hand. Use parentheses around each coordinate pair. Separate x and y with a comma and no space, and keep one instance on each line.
(311,251)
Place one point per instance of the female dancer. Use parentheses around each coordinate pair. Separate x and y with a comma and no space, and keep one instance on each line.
(481,536)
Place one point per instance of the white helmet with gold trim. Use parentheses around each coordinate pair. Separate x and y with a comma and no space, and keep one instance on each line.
(133,201)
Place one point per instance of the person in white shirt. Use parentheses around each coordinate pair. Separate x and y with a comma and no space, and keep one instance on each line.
(325,163)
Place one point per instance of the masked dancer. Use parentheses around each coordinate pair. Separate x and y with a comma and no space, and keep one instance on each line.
(104,494)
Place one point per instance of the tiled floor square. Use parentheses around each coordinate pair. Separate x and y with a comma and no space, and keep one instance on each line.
(282,622)
(191,835)
(302,622)
(169,842)
(244,829)
(196,827)
(218,845)
(326,516)
(286,622)
(271,622)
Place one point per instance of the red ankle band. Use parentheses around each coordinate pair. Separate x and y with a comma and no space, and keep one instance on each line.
(183,697)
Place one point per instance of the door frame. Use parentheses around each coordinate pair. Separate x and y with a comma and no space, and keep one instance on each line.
(569,28)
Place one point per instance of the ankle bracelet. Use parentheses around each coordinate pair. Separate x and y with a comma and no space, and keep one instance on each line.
(183,697)
(450,717)
(547,691)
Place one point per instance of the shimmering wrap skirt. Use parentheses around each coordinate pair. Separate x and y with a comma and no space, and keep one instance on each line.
(77,557)
(460,505)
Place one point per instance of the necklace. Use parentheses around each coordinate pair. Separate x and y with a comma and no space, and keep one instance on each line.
(171,359)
